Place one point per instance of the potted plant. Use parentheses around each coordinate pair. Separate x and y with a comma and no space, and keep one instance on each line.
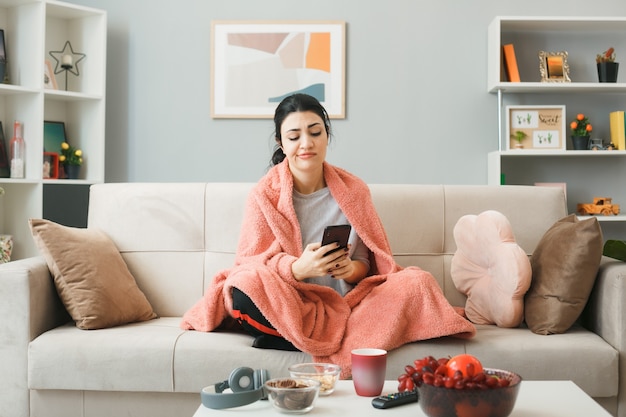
(71,159)
(581,128)
(519,136)
(607,67)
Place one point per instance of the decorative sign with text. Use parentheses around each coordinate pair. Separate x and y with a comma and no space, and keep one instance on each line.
(535,127)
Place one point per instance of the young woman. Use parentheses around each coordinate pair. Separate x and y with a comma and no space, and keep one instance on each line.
(287,291)
(302,137)
(302,134)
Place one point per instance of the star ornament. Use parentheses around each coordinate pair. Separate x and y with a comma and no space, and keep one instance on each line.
(67,59)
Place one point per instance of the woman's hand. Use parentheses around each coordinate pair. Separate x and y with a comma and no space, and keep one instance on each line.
(315,263)
(350,271)
(312,263)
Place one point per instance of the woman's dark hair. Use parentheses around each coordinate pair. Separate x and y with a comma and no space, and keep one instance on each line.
(295,103)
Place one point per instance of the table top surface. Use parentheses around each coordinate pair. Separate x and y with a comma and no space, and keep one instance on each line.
(536,399)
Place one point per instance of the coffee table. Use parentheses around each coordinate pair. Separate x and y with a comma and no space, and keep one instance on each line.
(536,398)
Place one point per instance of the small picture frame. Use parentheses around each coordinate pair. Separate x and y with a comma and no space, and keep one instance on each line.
(49,80)
(4,158)
(3,51)
(50,166)
(3,58)
(553,67)
(538,128)
(53,136)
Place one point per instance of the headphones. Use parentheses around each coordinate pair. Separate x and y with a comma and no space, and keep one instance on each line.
(246,384)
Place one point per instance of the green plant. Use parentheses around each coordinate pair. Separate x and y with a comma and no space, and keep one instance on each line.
(581,126)
(615,249)
(606,56)
(70,155)
(519,136)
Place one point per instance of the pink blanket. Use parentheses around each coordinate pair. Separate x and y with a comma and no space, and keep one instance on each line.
(391,307)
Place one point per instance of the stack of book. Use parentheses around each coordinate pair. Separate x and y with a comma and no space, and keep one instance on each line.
(618,129)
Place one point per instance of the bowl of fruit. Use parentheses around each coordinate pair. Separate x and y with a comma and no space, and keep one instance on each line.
(460,387)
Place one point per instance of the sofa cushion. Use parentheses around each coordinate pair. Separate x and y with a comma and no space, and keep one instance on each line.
(564,263)
(90,276)
(566,356)
(491,269)
(157,356)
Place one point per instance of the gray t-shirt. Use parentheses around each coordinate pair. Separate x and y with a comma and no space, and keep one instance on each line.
(316,211)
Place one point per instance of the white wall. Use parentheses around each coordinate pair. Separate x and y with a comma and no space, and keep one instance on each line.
(417,106)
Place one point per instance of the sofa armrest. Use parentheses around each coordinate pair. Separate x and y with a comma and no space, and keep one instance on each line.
(605,312)
(29,306)
(605,315)
(32,304)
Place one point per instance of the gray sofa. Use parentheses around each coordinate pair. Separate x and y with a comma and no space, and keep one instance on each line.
(174,237)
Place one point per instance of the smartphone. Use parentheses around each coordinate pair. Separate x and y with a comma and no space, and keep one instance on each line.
(336,233)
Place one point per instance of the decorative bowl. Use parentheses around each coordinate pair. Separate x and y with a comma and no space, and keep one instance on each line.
(451,402)
(326,373)
(292,395)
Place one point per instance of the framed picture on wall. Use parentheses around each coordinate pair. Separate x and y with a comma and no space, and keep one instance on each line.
(258,63)
(535,128)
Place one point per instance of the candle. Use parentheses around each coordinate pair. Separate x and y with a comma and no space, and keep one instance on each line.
(67,60)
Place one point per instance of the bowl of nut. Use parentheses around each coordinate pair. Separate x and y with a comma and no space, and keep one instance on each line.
(326,373)
(292,395)
(461,387)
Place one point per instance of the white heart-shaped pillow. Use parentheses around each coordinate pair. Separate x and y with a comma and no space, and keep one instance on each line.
(491,269)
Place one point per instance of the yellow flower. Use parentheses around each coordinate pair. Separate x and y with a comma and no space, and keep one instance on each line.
(70,155)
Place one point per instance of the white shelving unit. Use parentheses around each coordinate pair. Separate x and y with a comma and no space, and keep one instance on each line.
(32,29)
(586,173)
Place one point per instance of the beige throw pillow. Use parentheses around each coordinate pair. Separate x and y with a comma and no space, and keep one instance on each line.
(564,264)
(92,279)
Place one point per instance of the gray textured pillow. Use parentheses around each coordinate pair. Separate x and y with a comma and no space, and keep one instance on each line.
(564,267)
